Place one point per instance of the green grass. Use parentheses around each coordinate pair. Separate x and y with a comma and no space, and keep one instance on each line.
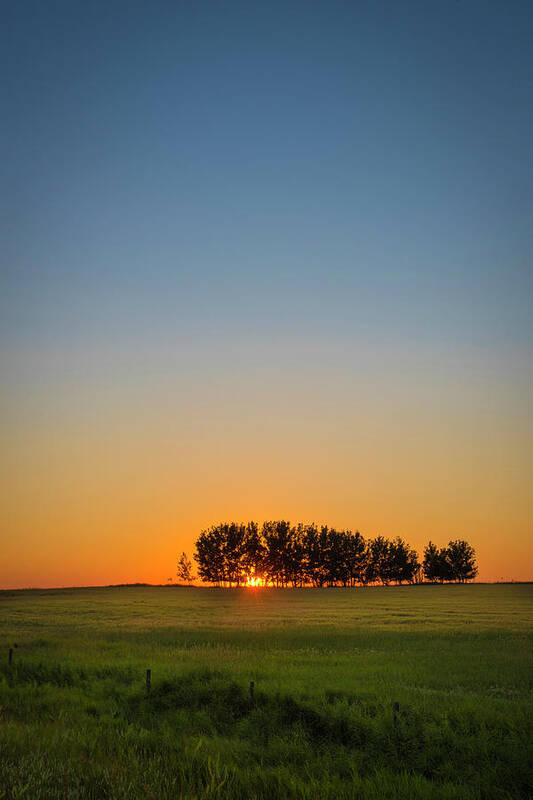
(76,721)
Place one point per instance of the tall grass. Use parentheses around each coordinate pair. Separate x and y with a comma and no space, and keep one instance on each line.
(76,720)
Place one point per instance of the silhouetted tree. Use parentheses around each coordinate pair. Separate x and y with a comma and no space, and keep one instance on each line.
(430,564)
(311,555)
(336,567)
(368,572)
(379,561)
(356,557)
(296,571)
(297,555)
(403,564)
(184,570)
(437,566)
(461,558)
(209,555)
(456,562)
(279,561)
(234,551)
(253,561)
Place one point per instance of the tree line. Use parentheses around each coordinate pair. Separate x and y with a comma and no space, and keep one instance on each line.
(280,554)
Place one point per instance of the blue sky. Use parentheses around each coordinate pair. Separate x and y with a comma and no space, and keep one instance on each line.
(353,165)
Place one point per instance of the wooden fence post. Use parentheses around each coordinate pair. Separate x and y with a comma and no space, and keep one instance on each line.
(396,708)
(252,686)
(148,680)
(10,659)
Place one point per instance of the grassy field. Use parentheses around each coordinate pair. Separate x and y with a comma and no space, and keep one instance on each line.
(328,665)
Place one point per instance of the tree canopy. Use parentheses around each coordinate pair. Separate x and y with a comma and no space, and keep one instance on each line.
(278,553)
(456,562)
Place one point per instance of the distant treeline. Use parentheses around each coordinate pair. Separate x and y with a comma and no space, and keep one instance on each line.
(280,554)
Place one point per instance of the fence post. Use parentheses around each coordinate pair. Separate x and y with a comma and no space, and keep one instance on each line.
(252,686)
(148,680)
(10,659)
(396,708)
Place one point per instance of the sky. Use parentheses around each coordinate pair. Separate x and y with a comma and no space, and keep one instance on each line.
(262,261)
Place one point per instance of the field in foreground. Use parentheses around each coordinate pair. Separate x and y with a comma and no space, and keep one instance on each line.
(76,720)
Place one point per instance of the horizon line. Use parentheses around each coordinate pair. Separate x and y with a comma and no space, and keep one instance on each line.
(142,585)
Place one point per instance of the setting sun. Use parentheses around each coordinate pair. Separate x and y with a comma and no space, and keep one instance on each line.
(252,580)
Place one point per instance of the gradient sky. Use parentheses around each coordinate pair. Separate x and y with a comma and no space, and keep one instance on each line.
(263,260)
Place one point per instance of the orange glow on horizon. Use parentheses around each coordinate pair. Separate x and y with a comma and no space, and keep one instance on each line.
(254,581)
(114,490)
